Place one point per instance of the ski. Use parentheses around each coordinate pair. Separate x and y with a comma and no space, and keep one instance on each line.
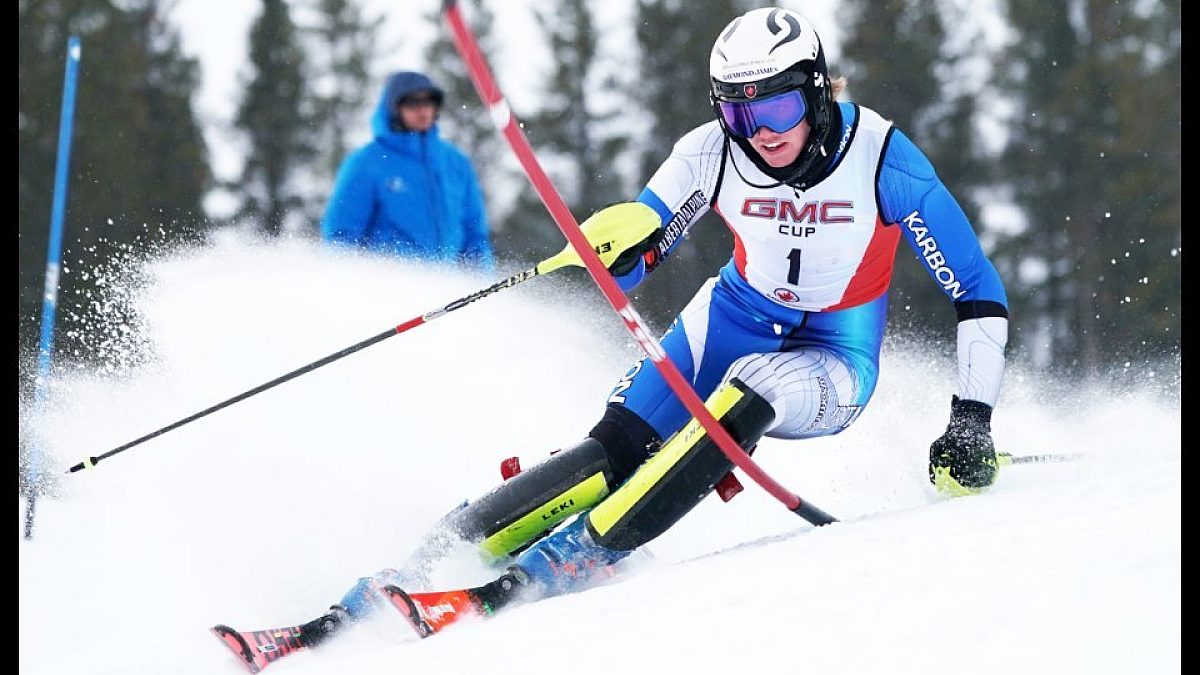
(258,649)
(429,613)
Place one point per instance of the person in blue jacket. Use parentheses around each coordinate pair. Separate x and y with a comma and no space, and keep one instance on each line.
(408,192)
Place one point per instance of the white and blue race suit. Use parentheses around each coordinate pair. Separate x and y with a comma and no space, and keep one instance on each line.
(798,313)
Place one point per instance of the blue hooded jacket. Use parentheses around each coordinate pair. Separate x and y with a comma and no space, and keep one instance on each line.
(409,193)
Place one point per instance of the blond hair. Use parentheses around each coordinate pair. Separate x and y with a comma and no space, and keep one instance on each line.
(837,85)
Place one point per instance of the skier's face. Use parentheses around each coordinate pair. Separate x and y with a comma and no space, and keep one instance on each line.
(418,112)
(780,149)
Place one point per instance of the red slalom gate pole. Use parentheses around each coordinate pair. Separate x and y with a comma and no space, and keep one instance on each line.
(502,117)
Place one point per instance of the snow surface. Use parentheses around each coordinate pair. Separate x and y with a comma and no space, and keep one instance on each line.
(264,513)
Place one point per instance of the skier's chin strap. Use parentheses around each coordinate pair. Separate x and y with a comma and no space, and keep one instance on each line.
(792,179)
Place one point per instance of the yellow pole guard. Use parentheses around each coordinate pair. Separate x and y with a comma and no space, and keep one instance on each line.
(605,516)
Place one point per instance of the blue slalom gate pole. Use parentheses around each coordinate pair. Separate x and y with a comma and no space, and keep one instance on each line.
(66,125)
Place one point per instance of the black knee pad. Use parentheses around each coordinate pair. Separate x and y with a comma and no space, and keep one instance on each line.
(627,439)
(681,474)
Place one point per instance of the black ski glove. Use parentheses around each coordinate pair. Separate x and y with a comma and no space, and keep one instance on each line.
(963,460)
(628,259)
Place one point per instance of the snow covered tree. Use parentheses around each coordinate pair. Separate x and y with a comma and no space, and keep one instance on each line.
(342,49)
(1095,160)
(277,116)
(464,121)
(572,132)
(899,61)
(673,39)
(139,166)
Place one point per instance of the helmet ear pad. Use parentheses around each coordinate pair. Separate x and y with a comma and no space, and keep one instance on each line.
(818,92)
(818,96)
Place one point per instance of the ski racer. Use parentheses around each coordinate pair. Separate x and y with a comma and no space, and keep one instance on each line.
(783,342)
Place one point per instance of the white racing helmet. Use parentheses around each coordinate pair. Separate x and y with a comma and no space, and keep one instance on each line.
(768,69)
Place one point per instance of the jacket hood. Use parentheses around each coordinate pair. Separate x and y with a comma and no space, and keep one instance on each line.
(398,86)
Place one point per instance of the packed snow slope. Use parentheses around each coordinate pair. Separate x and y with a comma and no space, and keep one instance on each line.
(264,513)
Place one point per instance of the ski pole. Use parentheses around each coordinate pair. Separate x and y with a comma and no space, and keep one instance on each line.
(564,258)
(1007,459)
(506,123)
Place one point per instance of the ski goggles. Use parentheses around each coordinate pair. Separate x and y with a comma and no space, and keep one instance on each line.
(777,113)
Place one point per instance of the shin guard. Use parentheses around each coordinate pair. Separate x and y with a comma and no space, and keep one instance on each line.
(681,474)
(534,501)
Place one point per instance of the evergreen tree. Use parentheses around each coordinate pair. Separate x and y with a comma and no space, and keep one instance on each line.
(572,132)
(574,121)
(139,166)
(343,45)
(277,116)
(464,121)
(674,39)
(897,60)
(1095,161)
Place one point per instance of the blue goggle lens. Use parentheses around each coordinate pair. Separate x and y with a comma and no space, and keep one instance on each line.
(777,113)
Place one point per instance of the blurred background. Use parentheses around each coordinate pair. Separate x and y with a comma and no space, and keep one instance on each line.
(1056,124)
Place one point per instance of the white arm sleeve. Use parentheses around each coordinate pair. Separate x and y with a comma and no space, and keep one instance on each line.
(981,358)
